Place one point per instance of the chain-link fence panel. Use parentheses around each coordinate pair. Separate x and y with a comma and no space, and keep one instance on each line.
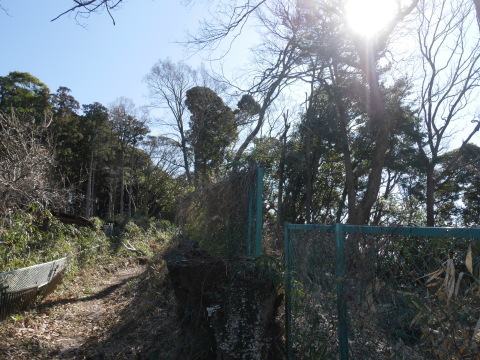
(226,216)
(411,297)
(382,293)
(311,297)
(21,288)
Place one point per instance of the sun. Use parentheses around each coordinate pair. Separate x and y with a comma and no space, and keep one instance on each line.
(368,17)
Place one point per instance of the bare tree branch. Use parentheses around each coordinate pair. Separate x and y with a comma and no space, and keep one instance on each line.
(83,8)
(451,77)
(25,164)
(5,10)
(228,20)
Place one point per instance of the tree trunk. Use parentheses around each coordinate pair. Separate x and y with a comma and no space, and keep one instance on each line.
(430,194)
(381,122)
(185,158)
(281,174)
(111,199)
(88,202)
(130,184)
(122,185)
(308,179)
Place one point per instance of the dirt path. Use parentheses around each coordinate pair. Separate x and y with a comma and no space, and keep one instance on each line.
(80,313)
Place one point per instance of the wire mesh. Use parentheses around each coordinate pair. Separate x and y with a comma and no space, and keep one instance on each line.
(21,288)
(407,297)
(225,217)
(37,275)
(313,308)
(11,302)
(411,297)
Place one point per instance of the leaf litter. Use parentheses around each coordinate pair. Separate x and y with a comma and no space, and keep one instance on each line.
(91,315)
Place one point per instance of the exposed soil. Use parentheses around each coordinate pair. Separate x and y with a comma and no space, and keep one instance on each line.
(93,315)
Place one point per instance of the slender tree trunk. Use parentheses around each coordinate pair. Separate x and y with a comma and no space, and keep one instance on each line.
(308,180)
(380,122)
(122,184)
(281,173)
(111,198)
(347,161)
(88,202)
(93,208)
(338,216)
(130,183)
(430,194)
(130,188)
(344,148)
(185,158)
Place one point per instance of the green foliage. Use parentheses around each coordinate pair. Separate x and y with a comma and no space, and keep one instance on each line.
(247,109)
(34,236)
(212,129)
(24,93)
(270,268)
(143,236)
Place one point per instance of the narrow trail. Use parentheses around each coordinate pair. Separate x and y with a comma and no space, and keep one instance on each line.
(66,321)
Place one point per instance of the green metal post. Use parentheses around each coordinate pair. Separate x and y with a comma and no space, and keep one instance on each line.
(341,301)
(250,221)
(288,294)
(259,219)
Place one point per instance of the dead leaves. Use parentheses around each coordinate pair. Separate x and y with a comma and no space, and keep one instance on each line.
(453,295)
(68,322)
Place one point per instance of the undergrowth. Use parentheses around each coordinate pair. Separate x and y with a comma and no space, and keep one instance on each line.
(34,236)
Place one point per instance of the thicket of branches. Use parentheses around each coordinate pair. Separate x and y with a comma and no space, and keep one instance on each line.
(26,165)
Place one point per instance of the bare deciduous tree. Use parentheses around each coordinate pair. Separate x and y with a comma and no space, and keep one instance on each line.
(129,127)
(168,84)
(450,79)
(25,165)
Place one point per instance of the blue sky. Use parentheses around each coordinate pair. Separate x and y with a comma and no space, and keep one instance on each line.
(103,62)
(100,62)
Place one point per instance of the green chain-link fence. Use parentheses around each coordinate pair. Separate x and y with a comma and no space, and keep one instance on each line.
(361,292)
(225,216)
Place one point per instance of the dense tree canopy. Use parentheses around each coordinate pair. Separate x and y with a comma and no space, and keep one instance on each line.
(24,93)
(212,130)
(361,142)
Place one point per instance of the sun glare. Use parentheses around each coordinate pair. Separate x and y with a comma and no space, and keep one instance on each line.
(368,17)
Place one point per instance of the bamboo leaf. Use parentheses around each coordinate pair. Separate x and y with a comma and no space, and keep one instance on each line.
(468,260)
(369,298)
(457,287)
(475,332)
(450,279)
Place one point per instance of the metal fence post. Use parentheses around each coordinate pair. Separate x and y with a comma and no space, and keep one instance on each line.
(250,221)
(259,219)
(288,294)
(341,301)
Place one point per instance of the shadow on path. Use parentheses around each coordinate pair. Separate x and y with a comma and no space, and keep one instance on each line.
(100,295)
